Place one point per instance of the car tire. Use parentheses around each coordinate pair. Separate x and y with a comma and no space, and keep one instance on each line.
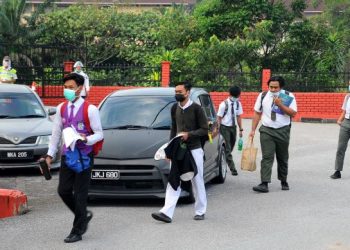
(222,165)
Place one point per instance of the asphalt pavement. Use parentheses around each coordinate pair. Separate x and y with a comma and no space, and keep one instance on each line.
(313,215)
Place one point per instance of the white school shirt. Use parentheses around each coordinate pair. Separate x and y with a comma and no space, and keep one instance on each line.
(346,106)
(281,120)
(227,119)
(95,124)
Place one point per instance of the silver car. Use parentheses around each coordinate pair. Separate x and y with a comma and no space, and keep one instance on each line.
(25,127)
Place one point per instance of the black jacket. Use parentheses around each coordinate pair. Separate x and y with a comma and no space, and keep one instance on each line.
(181,162)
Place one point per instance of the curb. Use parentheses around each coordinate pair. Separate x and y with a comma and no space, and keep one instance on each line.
(12,202)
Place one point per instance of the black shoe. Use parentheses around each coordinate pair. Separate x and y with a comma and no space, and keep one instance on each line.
(284,185)
(336,175)
(262,188)
(199,217)
(89,216)
(234,172)
(161,217)
(72,237)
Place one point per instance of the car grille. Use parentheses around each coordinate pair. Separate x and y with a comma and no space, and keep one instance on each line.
(29,140)
(124,185)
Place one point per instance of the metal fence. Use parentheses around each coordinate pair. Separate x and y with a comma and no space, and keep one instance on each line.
(102,75)
(315,81)
(220,80)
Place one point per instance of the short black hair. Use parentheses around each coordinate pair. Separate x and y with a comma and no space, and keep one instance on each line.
(79,79)
(187,85)
(279,79)
(235,91)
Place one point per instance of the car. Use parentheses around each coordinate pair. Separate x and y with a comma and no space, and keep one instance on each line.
(136,123)
(25,127)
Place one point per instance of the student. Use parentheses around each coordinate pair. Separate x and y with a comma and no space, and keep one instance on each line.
(228,117)
(274,132)
(78,65)
(344,136)
(191,122)
(73,186)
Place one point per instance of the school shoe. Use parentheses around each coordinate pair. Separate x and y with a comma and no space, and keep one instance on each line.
(284,185)
(199,217)
(234,172)
(161,217)
(336,175)
(89,216)
(261,188)
(73,237)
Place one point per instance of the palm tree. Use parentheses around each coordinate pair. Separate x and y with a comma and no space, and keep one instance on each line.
(11,27)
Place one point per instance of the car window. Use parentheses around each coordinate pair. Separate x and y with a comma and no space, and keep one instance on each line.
(20,105)
(207,106)
(150,112)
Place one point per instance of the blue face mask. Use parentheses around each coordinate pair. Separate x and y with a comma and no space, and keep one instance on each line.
(69,94)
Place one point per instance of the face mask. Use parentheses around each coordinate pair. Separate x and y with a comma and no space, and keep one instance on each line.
(179,97)
(78,70)
(233,99)
(69,94)
(275,94)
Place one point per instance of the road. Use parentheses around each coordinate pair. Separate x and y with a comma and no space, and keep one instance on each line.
(313,215)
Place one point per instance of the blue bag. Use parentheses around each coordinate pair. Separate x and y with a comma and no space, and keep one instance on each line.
(76,161)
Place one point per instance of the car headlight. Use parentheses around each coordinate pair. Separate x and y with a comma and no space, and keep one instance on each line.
(45,139)
(160,154)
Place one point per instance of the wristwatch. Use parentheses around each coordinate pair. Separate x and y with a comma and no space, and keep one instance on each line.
(241,129)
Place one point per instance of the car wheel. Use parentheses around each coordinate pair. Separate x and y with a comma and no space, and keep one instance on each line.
(222,165)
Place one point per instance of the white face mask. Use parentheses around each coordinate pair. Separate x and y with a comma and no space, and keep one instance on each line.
(233,99)
(275,94)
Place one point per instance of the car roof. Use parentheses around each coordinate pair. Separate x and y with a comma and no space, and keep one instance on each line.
(14,88)
(160,91)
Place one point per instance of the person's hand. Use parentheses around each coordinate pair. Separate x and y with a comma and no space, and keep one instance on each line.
(339,122)
(215,132)
(84,138)
(251,134)
(184,136)
(278,101)
(48,160)
(240,134)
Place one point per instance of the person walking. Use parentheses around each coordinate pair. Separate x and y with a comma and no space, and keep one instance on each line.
(73,186)
(228,117)
(78,65)
(191,123)
(344,136)
(7,73)
(275,108)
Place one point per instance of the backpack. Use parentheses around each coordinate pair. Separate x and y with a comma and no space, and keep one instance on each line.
(263,94)
(97,147)
(226,107)
(203,138)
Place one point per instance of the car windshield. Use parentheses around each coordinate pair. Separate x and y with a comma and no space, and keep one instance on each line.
(20,105)
(137,112)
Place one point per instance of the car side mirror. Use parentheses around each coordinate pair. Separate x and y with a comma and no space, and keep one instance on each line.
(51,111)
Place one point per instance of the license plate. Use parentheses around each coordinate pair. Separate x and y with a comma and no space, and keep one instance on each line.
(97,174)
(16,155)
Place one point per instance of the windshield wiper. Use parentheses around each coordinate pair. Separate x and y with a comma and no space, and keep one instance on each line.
(30,116)
(7,116)
(128,127)
(162,127)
